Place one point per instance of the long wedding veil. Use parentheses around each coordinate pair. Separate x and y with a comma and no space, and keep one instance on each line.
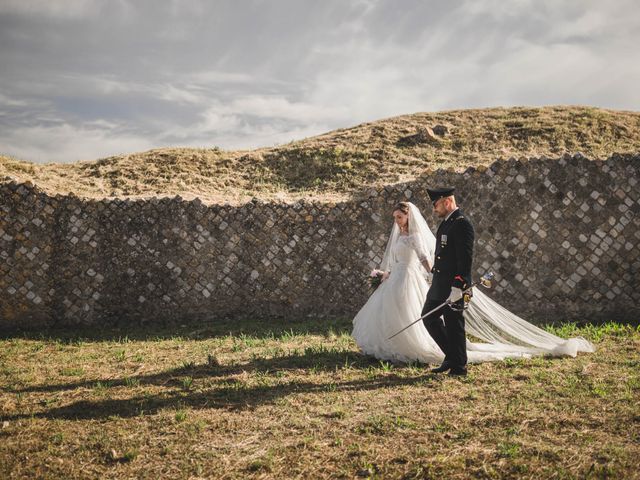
(486,319)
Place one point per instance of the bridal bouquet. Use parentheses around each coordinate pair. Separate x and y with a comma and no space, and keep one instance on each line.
(375,278)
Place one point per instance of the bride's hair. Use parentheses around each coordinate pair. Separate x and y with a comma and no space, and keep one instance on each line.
(403,207)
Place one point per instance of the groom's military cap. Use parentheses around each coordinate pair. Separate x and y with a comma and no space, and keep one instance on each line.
(436,194)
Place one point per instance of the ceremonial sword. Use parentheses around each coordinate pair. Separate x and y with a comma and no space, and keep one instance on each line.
(485,281)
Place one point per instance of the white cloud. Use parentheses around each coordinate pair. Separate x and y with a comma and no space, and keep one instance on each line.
(277,106)
(101,85)
(50,8)
(215,77)
(6,101)
(215,120)
(65,143)
(137,75)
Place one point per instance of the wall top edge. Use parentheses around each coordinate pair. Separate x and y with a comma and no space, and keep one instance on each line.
(25,188)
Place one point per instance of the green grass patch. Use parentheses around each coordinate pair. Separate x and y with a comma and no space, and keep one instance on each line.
(274,399)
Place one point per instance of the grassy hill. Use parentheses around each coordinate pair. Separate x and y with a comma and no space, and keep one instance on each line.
(344,161)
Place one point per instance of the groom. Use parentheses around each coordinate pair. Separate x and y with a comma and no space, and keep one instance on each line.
(451,274)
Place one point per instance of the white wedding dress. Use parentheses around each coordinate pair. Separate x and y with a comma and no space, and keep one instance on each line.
(398,301)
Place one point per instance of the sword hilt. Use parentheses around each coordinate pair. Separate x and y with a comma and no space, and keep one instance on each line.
(485,281)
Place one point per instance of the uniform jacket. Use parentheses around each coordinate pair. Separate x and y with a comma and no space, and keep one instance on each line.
(453,256)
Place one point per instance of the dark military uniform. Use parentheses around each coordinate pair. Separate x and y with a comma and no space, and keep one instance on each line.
(451,268)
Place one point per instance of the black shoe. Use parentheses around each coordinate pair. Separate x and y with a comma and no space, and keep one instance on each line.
(458,372)
(442,368)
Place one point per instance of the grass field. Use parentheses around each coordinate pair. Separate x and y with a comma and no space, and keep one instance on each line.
(296,400)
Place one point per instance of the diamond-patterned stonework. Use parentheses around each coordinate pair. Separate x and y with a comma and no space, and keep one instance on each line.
(561,235)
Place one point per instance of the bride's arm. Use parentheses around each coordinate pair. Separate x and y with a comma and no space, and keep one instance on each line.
(421,252)
(425,263)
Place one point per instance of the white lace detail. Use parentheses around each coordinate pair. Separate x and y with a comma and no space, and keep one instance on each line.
(418,247)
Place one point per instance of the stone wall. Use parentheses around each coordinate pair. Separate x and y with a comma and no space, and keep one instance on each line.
(561,235)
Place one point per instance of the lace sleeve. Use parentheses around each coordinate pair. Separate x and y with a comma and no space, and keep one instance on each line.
(419,248)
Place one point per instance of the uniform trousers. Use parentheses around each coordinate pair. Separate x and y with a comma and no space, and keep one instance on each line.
(448,333)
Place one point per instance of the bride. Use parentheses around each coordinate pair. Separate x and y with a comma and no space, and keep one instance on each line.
(398,301)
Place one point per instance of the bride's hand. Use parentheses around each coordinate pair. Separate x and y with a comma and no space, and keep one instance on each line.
(385,275)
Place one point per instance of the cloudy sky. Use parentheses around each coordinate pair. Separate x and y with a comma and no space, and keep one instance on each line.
(84,79)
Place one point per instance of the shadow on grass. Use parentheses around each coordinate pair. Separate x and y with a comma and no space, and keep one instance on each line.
(225,392)
(226,397)
(330,360)
(258,328)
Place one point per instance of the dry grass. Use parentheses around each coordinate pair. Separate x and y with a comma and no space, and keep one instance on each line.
(295,400)
(342,162)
